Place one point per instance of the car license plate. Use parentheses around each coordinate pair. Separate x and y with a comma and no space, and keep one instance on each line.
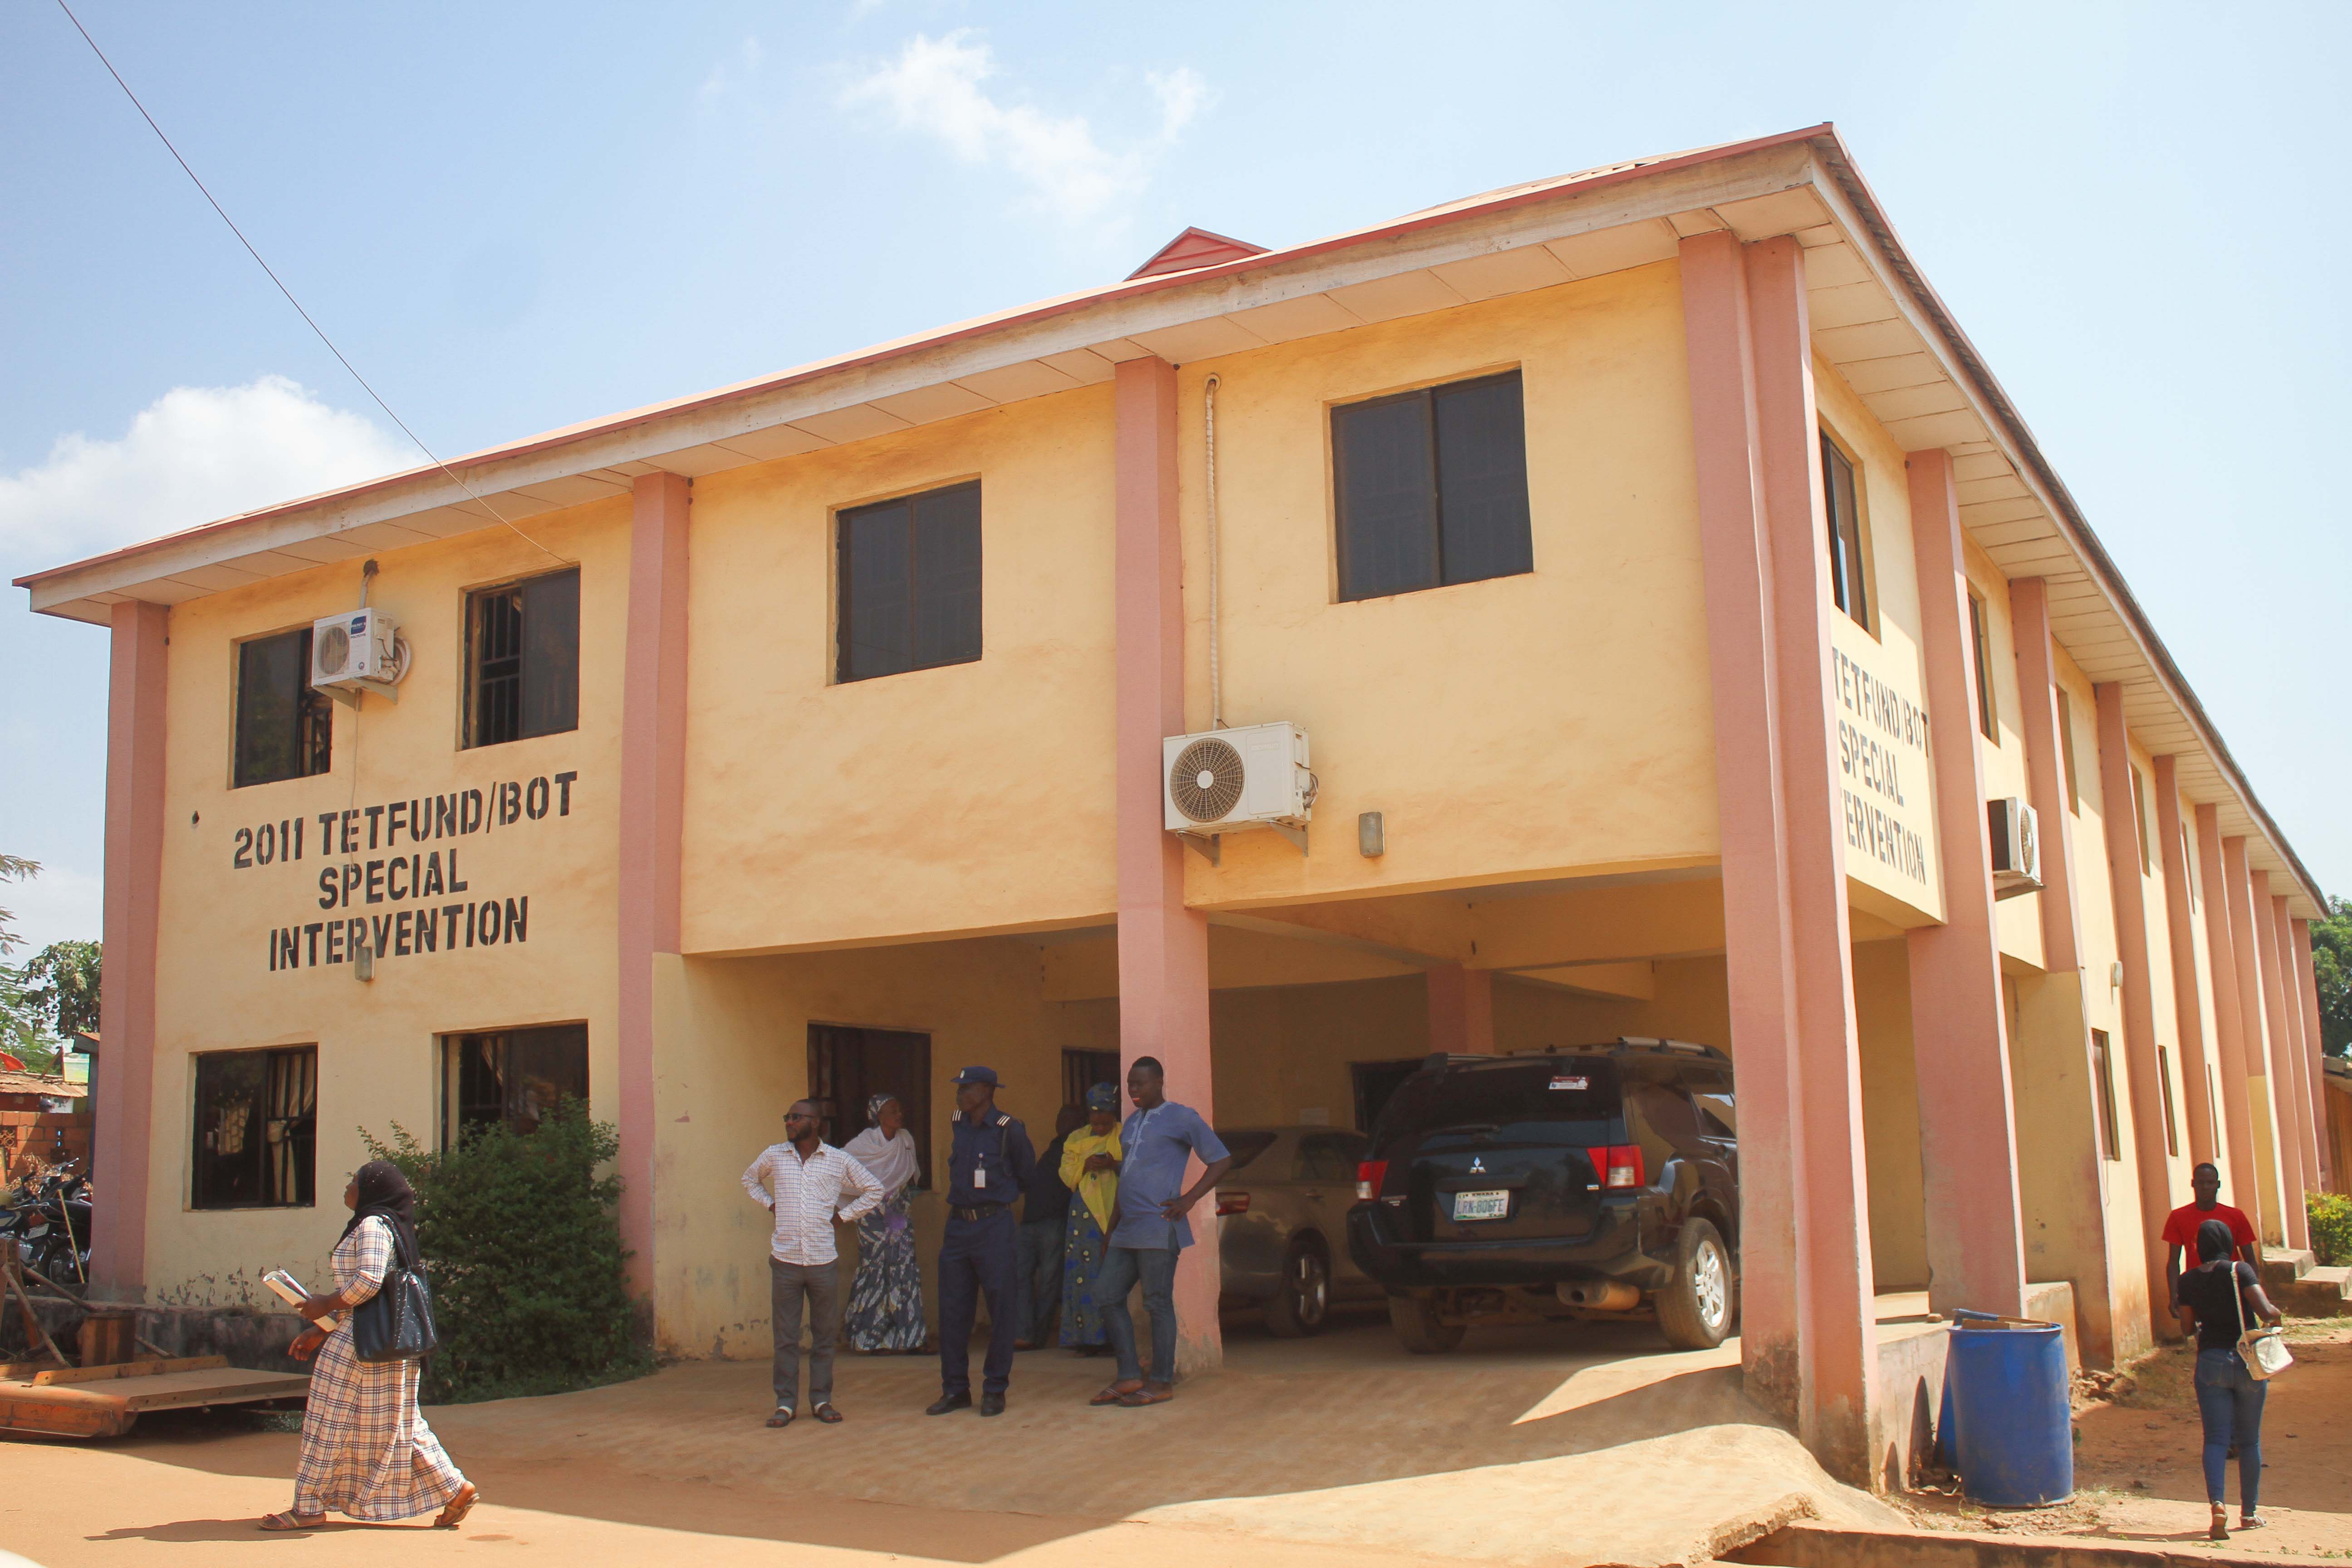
(1482,1205)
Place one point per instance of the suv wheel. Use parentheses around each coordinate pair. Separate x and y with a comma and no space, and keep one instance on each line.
(1414,1318)
(1299,1307)
(1695,1309)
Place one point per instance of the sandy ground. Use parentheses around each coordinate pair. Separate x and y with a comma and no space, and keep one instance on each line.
(1574,1445)
(2137,1468)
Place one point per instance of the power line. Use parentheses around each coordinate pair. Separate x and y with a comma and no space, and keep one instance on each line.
(477,499)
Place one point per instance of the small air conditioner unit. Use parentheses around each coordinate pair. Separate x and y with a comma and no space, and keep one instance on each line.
(1226,780)
(2016,846)
(356,651)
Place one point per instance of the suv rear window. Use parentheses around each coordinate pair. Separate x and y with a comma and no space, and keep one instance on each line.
(1244,1147)
(1559,1099)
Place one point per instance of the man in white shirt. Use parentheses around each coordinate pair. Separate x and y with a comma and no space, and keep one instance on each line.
(804,1179)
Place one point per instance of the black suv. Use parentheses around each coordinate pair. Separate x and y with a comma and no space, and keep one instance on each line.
(1576,1182)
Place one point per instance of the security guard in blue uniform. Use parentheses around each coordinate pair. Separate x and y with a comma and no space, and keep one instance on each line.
(987,1169)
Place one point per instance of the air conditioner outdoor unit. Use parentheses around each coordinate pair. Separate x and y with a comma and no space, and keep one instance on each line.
(2016,847)
(354,652)
(1227,780)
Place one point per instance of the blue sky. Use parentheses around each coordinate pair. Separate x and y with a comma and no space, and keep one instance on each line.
(514,217)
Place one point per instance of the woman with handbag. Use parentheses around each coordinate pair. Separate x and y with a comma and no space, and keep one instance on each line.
(367,1452)
(2235,1359)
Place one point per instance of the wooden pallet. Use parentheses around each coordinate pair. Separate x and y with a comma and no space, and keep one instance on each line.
(41,1398)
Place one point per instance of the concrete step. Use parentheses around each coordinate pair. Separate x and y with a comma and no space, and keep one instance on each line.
(2283,1266)
(2323,1293)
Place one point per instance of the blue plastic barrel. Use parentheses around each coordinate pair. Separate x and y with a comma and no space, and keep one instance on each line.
(2005,1385)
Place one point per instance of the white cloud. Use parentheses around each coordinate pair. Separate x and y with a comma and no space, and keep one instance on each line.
(195,454)
(734,73)
(934,88)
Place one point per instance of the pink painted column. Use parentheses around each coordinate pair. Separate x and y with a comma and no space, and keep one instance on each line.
(125,1090)
(2306,995)
(1462,1010)
(1759,968)
(652,813)
(1163,946)
(1836,1297)
(2141,1073)
(2229,1021)
(2254,1029)
(2298,1154)
(1959,1030)
(2187,994)
(2305,1049)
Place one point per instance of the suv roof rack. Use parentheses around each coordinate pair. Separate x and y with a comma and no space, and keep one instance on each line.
(1616,1047)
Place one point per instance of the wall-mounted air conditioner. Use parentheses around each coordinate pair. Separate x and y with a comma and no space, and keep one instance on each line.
(1226,780)
(2016,847)
(359,650)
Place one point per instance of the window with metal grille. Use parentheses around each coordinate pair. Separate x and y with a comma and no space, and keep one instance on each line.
(285,726)
(509,1077)
(1081,1070)
(1847,569)
(1431,488)
(257,1129)
(522,659)
(848,1066)
(907,577)
(1982,640)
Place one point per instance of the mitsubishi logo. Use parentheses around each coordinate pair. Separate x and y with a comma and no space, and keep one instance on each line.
(1477,1166)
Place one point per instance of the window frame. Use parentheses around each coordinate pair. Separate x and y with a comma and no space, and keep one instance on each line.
(2102,1061)
(839,1121)
(843,582)
(2140,818)
(312,705)
(2066,746)
(306,1129)
(470,715)
(1427,392)
(2164,1083)
(1865,583)
(1980,638)
(1077,1062)
(449,1066)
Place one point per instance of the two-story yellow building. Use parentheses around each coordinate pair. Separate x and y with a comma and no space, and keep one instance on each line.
(1687,636)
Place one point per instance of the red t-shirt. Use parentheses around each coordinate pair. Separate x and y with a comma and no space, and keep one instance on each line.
(2180,1226)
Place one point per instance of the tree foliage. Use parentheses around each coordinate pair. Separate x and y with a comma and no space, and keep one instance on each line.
(60,986)
(522,1240)
(2331,970)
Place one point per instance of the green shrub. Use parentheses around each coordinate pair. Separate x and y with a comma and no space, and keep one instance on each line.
(522,1247)
(2331,1226)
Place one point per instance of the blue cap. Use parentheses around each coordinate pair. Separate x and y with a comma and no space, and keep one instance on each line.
(978,1075)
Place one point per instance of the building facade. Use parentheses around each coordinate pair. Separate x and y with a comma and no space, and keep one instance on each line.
(1663,583)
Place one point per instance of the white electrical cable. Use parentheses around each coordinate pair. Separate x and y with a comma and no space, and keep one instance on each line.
(1216,684)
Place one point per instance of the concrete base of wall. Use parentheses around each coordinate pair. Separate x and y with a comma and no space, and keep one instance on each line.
(249,1338)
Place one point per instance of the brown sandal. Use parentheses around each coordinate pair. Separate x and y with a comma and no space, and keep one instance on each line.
(453,1515)
(1150,1393)
(1113,1394)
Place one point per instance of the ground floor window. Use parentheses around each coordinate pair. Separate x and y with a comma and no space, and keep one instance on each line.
(2104,1067)
(1081,1070)
(1374,1082)
(509,1077)
(257,1129)
(848,1066)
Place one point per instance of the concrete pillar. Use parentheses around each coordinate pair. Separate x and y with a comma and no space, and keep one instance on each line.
(1163,946)
(2261,1080)
(1960,1036)
(2307,996)
(2230,1057)
(2062,1177)
(125,1090)
(2286,1079)
(2187,985)
(1836,1306)
(1462,1010)
(2118,810)
(652,818)
(1758,969)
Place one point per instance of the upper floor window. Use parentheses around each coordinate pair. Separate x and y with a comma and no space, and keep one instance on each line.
(1980,639)
(908,583)
(1847,573)
(1432,488)
(2066,750)
(257,1129)
(2140,820)
(523,659)
(285,726)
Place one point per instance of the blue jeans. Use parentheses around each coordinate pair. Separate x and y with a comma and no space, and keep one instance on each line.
(1038,1279)
(1156,1267)
(2230,1402)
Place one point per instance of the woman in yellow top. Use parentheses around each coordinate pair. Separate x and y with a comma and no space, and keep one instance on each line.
(1090,1170)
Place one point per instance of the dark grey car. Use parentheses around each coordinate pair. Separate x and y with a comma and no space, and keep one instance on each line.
(1282,1224)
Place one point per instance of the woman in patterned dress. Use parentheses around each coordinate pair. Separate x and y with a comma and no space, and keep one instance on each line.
(1090,1170)
(885,1299)
(367,1452)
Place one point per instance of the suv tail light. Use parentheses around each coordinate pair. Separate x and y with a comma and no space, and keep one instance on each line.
(1232,1203)
(1618,1165)
(1370,1177)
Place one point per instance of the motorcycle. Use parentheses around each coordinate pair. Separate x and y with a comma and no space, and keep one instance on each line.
(51,1226)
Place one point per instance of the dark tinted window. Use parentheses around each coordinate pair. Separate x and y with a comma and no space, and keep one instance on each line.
(1983,643)
(1247,1146)
(910,584)
(523,651)
(1659,1115)
(1846,533)
(1327,1157)
(1711,1094)
(512,1078)
(1432,488)
(257,1129)
(285,727)
(1519,1097)
(847,1068)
